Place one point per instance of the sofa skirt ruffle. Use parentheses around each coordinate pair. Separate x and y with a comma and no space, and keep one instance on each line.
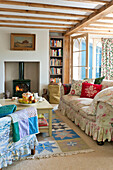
(89,127)
(92,129)
(18,151)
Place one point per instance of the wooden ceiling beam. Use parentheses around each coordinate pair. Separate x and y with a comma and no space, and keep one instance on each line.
(41,12)
(94,30)
(107,18)
(95,33)
(89,1)
(102,23)
(35,23)
(33,27)
(99,27)
(104,10)
(38,18)
(46,6)
(57,31)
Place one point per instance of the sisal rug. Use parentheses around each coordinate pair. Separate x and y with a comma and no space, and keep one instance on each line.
(64,141)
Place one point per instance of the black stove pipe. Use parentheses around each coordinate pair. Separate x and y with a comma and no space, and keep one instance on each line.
(21,70)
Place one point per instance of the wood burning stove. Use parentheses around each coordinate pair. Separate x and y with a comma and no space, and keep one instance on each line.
(21,85)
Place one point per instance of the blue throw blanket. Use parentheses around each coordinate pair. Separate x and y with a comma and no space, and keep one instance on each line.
(24,122)
(7,109)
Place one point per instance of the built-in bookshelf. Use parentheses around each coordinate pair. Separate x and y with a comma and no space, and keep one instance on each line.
(56,59)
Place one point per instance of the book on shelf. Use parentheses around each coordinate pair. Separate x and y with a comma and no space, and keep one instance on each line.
(50,42)
(56,43)
(50,71)
(58,52)
(54,71)
(55,80)
(58,70)
(55,62)
(53,52)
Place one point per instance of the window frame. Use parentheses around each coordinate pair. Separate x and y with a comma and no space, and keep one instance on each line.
(86,37)
(95,42)
(94,45)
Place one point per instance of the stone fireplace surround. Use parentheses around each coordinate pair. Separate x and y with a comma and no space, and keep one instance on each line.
(41,55)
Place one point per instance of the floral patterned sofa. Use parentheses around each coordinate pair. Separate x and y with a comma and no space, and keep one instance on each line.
(93,116)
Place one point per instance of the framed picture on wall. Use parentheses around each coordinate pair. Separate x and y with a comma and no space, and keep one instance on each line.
(22,41)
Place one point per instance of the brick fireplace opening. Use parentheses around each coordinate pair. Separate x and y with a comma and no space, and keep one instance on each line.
(22,77)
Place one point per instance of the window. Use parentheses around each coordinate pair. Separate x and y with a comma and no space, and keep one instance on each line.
(98,59)
(84,64)
(79,58)
(90,59)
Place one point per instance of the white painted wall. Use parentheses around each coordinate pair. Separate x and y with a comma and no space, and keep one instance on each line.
(40,54)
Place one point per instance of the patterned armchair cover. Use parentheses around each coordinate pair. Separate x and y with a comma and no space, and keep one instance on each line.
(10,151)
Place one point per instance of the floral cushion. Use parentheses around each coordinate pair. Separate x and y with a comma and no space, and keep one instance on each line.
(90,90)
(89,80)
(76,87)
(107,83)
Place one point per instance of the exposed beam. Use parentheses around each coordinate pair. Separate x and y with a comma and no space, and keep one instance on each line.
(47,6)
(38,18)
(57,31)
(34,27)
(35,23)
(102,23)
(107,18)
(92,17)
(89,1)
(99,27)
(41,12)
(97,33)
(95,30)
(78,36)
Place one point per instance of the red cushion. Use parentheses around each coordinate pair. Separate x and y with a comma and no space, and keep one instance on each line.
(67,88)
(90,90)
